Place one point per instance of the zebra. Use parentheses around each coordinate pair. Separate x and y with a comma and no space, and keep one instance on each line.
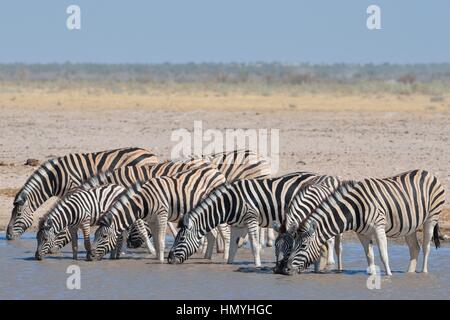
(374,209)
(244,205)
(306,200)
(58,176)
(77,210)
(126,176)
(158,201)
(234,165)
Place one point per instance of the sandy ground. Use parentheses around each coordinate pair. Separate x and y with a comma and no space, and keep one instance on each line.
(351,144)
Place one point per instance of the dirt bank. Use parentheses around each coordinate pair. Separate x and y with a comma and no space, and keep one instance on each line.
(352,144)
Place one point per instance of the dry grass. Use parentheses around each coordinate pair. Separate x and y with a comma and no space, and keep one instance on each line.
(185,97)
(9,192)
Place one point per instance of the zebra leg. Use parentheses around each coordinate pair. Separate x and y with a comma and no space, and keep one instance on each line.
(220,246)
(160,235)
(317,266)
(224,230)
(86,228)
(368,249)
(172,229)
(242,241)
(427,235)
(122,246)
(254,242)
(330,254)
(74,236)
(202,247)
(270,237)
(211,239)
(262,237)
(338,250)
(414,249)
(236,232)
(114,251)
(153,227)
(142,231)
(321,263)
(380,235)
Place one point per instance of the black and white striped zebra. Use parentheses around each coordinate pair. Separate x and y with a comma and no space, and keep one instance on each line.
(126,177)
(244,205)
(158,201)
(301,206)
(374,209)
(78,210)
(58,176)
(234,165)
(129,175)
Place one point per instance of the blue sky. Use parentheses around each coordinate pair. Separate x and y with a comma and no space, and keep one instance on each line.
(177,31)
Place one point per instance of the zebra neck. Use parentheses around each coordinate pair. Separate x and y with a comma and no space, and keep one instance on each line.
(125,216)
(216,209)
(332,223)
(66,216)
(43,184)
(35,196)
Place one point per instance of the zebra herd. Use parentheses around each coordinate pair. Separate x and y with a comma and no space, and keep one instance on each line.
(131,198)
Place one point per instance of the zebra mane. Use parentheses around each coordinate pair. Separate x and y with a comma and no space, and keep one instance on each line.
(106,219)
(58,204)
(96,181)
(42,220)
(342,190)
(49,164)
(46,216)
(212,196)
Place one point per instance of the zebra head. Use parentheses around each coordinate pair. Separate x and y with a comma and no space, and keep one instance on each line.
(306,248)
(105,240)
(21,217)
(46,238)
(186,243)
(283,245)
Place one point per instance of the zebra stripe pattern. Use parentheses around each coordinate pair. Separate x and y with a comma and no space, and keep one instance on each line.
(374,208)
(234,165)
(80,209)
(245,205)
(158,201)
(303,204)
(56,177)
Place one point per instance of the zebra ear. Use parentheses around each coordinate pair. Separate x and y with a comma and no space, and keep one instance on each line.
(280,228)
(19,201)
(307,228)
(180,223)
(50,223)
(185,223)
(276,226)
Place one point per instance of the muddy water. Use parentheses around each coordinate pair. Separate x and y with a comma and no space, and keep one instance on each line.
(138,277)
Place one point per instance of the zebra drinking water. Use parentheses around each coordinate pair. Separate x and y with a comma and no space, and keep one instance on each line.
(58,176)
(78,210)
(244,205)
(234,165)
(303,204)
(374,209)
(158,201)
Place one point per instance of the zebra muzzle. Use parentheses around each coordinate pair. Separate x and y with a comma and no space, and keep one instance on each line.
(38,256)
(172,259)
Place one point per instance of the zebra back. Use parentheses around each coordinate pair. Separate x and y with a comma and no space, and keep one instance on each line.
(128,176)
(175,194)
(241,164)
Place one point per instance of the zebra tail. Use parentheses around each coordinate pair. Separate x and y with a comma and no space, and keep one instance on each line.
(437,241)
